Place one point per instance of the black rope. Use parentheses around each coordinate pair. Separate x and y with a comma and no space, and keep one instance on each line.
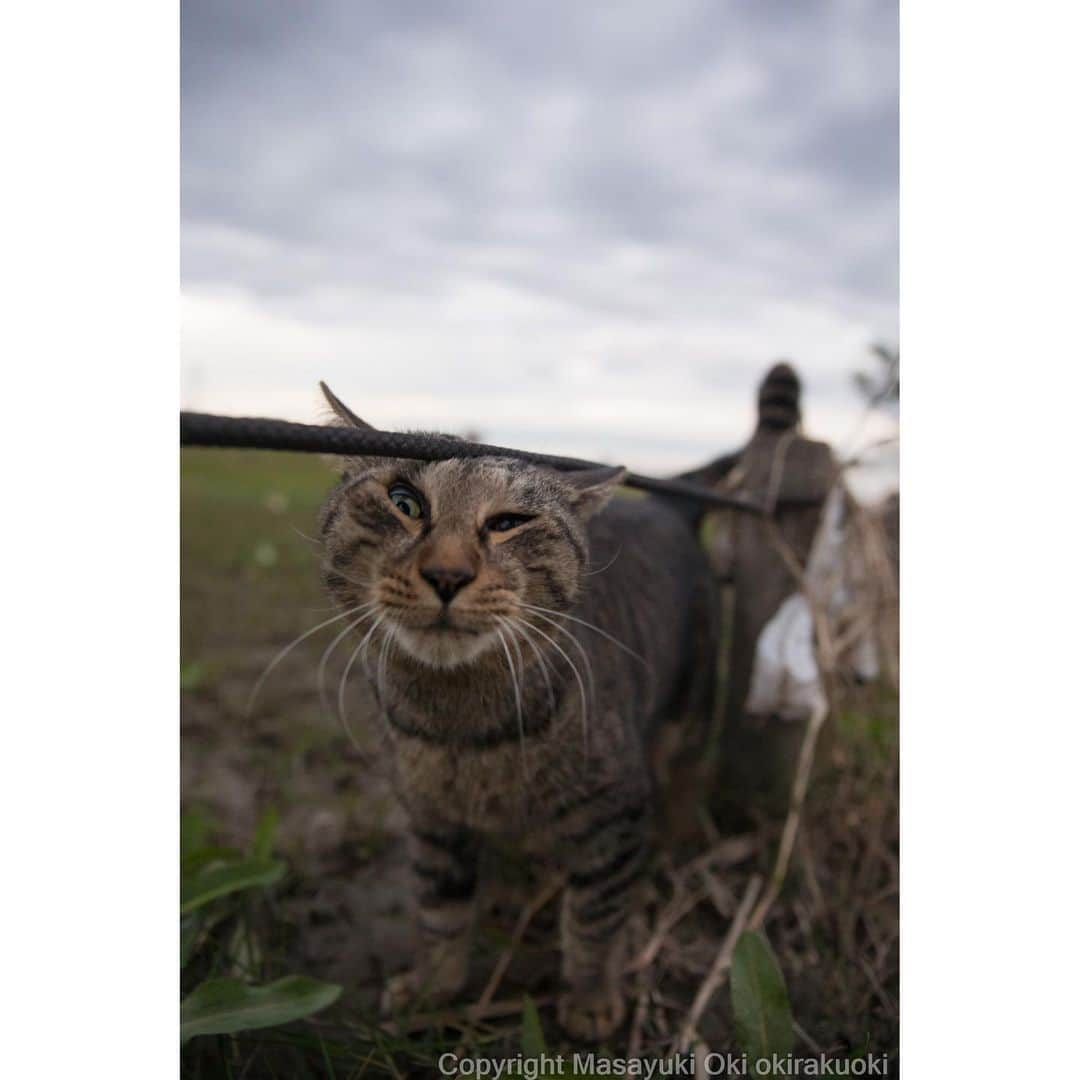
(204,429)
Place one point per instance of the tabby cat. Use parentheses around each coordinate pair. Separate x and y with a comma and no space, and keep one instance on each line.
(524,637)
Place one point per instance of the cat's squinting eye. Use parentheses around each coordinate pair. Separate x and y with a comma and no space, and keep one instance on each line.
(506,522)
(406,500)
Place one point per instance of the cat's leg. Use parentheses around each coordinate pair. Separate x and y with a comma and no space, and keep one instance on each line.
(607,853)
(444,860)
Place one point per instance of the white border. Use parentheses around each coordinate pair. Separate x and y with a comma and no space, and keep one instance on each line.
(988,298)
(90,781)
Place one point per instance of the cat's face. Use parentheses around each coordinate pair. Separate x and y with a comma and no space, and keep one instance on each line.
(448,553)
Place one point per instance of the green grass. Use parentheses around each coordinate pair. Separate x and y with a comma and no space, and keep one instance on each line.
(246,567)
(235,501)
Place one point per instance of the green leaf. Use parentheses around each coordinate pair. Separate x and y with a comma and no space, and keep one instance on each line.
(195,828)
(265,834)
(220,880)
(532,1031)
(763,1021)
(196,862)
(222,1006)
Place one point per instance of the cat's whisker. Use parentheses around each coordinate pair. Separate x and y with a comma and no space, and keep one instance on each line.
(289,648)
(577,645)
(577,675)
(380,669)
(512,638)
(360,650)
(320,677)
(383,645)
(541,660)
(607,566)
(304,535)
(590,626)
(517,700)
(330,568)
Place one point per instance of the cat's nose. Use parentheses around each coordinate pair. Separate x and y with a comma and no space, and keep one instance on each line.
(447,581)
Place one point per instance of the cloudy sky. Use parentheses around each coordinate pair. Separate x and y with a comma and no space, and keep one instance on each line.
(584,228)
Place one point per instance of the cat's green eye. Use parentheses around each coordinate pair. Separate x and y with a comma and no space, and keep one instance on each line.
(406,500)
(506,522)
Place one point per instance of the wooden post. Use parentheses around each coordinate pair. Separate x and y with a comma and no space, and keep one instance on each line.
(757,754)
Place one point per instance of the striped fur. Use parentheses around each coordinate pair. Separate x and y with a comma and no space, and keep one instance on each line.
(503,714)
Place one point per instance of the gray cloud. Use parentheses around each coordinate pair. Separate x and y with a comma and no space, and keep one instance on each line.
(625,185)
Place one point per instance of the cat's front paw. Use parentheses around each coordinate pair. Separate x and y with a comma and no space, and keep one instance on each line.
(591,1015)
(417,985)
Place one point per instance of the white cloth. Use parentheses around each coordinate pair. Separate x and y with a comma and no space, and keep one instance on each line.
(786,680)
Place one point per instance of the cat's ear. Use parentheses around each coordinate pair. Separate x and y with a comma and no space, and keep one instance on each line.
(592,487)
(342,414)
(342,411)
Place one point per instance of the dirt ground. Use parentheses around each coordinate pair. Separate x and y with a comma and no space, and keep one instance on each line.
(248,587)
